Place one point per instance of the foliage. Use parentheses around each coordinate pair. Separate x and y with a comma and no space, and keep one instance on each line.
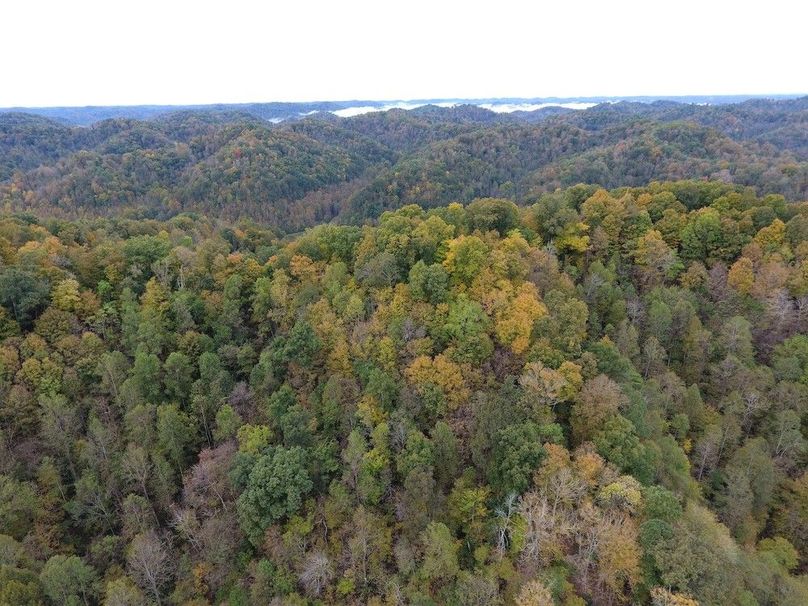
(599,398)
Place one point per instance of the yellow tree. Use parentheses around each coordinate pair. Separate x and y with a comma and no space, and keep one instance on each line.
(618,555)
(664,597)
(741,276)
(440,372)
(465,257)
(534,593)
(514,321)
(772,237)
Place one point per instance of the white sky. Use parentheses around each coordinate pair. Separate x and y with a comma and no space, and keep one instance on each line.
(87,52)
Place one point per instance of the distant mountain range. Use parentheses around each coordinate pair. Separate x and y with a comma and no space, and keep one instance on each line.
(280,111)
(235,162)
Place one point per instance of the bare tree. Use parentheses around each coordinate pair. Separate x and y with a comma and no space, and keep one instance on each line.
(316,573)
(707,449)
(546,529)
(136,467)
(206,487)
(187,526)
(504,523)
(149,563)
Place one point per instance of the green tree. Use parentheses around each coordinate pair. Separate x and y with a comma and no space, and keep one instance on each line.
(275,489)
(440,554)
(17,506)
(618,443)
(177,376)
(493,214)
(23,294)
(175,434)
(465,257)
(429,282)
(517,453)
(68,580)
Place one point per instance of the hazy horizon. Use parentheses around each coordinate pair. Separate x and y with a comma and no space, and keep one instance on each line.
(421,101)
(277,112)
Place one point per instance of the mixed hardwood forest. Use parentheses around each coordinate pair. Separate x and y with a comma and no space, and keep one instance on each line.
(433,357)
(305,172)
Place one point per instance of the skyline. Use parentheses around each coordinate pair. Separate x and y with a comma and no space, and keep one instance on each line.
(420,102)
(90,54)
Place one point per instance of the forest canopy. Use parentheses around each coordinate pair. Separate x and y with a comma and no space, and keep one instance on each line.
(597,396)
(306,171)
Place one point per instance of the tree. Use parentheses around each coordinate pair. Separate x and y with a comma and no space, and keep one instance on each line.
(741,276)
(702,237)
(548,387)
(785,438)
(662,597)
(23,294)
(380,271)
(442,374)
(369,543)
(465,257)
(175,434)
(658,261)
(178,376)
(618,555)
(469,513)
(316,573)
(149,563)
(517,453)
(618,443)
(790,519)
(153,327)
(429,282)
(122,592)
(781,550)
(68,580)
(17,505)
(445,452)
(573,239)
(600,399)
(302,344)
(276,486)
(534,593)
(790,361)
(466,331)
(18,412)
(661,504)
(491,213)
(146,376)
(440,554)
(736,339)
(136,467)
(296,425)
(19,587)
(417,501)
(417,453)
(228,422)
(699,558)
(112,370)
(515,320)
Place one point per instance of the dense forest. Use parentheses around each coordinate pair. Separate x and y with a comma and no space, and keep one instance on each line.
(302,172)
(425,357)
(597,396)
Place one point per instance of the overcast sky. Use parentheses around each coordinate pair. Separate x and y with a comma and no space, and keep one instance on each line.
(83,52)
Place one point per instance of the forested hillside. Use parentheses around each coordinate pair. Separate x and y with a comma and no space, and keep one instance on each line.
(598,396)
(303,172)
